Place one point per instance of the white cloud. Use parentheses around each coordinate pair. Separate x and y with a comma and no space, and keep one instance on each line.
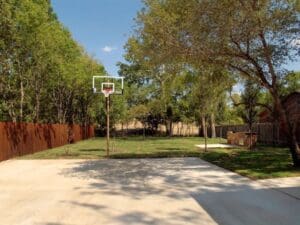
(296,42)
(108,49)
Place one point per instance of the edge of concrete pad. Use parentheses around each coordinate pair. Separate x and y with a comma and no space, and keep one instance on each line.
(287,185)
(213,146)
(290,188)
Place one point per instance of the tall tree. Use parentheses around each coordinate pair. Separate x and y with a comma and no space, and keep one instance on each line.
(250,38)
(249,103)
(45,75)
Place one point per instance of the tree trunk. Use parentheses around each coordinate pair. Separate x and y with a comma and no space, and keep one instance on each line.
(204,128)
(122,129)
(169,128)
(287,126)
(144,131)
(12,114)
(288,130)
(60,111)
(250,129)
(37,107)
(21,100)
(213,125)
(295,151)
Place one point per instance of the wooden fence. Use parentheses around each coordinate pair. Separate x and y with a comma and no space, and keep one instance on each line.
(182,129)
(18,139)
(267,133)
(179,129)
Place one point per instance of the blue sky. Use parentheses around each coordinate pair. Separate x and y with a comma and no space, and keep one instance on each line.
(103,27)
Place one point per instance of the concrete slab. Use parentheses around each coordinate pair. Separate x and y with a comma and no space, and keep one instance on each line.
(202,146)
(287,185)
(143,191)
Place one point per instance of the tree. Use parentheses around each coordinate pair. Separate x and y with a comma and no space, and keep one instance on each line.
(44,74)
(141,113)
(155,83)
(8,38)
(290,83)
(250,38)
(249,103)
(166,74)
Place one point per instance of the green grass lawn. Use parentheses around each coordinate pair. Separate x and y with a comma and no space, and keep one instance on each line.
(264,162)
(261,163)
(132,147)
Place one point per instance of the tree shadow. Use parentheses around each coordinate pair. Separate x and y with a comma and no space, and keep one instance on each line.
(155,154)
(133,177)
(171,149)
(92,150)
(153,138)
(227,197)
(86,205)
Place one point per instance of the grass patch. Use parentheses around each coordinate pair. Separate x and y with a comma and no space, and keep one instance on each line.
(131,147)
(264,162)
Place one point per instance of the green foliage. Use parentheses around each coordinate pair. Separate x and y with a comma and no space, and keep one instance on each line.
(290,83)
(229,114)
(248,104)
(250,39)
(45,76)
(171,89)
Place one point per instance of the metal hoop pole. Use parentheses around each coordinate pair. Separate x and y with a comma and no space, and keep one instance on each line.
(107,125)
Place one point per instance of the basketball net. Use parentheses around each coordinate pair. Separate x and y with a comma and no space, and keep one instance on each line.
(107,91)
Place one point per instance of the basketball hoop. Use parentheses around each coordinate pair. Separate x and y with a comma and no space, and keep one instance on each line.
(107,92)
(108,85)
(107,89)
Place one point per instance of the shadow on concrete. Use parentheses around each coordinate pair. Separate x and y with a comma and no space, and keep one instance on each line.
(86,205)
(227,197)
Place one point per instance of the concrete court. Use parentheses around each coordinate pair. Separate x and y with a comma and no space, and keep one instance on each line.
(140,191)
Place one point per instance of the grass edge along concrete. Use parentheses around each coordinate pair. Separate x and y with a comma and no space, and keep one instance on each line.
(261,163)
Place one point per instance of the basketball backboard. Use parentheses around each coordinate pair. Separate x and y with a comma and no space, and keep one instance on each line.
(108,85)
